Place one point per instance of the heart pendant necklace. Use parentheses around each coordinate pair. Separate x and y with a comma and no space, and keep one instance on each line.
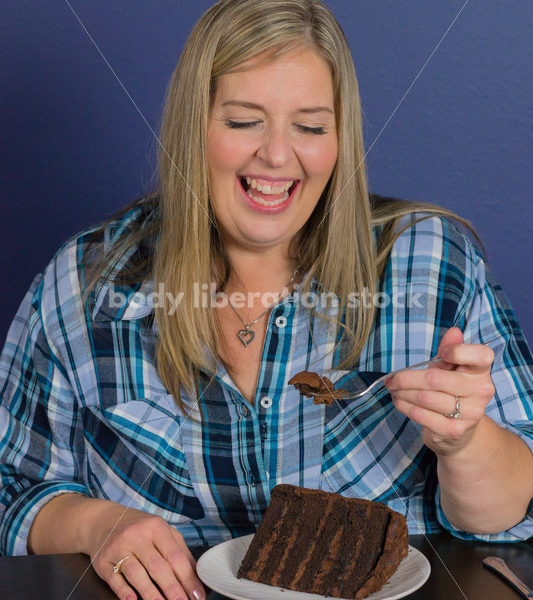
(247,334)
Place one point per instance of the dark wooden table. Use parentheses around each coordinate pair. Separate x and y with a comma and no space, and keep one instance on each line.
(456,573)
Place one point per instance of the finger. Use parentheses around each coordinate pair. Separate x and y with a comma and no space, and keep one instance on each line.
(118,584)
(183,564)
(427,399)
(178,538)
(437,402)
(438,424)
(162,573)
(115,581)
(438,364)
(442,364)
(471,357)
(135,572)
(452,337)
(455,383)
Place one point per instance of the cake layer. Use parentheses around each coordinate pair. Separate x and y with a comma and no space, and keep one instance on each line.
(322,543)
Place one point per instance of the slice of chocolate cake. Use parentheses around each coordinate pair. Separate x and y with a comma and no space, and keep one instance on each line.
(322,543)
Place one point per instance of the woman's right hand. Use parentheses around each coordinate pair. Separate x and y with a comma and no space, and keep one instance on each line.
(160,555)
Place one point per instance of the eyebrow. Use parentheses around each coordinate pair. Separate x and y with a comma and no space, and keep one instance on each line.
(307,109)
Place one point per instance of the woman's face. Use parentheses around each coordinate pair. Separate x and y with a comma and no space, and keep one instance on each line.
(272,145)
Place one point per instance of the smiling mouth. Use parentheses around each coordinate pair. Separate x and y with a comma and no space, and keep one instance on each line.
(267,199)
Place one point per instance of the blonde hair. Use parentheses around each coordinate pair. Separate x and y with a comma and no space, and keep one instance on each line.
(189,246)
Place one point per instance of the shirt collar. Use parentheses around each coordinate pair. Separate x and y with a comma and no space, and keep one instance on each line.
(118,303)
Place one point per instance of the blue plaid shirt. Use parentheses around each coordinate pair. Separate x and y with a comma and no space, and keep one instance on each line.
(84,410)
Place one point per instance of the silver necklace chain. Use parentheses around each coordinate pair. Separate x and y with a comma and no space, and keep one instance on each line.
(247,335)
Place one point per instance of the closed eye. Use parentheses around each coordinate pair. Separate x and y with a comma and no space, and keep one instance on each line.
(247,125)
(239,125)
(315,130)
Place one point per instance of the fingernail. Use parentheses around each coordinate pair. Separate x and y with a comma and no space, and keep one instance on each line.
(387,381)
(198,595)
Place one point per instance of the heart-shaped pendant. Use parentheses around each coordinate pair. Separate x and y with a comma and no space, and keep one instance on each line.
(246,336)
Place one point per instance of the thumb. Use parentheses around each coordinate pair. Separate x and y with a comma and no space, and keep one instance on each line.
(452,337)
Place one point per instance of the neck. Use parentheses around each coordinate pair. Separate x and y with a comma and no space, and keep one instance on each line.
(268,272)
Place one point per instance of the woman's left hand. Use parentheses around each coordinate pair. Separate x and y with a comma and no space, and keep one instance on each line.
(426,396)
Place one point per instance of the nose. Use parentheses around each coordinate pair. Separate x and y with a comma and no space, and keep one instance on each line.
(276,148)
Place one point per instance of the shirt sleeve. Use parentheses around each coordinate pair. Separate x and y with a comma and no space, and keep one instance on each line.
(487,317)
(38,425)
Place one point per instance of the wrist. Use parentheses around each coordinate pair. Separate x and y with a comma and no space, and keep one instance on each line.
(93,516)
(465,450)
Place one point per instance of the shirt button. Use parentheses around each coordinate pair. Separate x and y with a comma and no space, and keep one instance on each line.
(266,402)
(244,411)
(281,321)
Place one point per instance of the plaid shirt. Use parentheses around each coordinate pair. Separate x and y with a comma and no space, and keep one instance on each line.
(84,410)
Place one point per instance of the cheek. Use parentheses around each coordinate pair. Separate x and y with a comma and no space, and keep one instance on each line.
(319,160)
(217,152)
(225,153)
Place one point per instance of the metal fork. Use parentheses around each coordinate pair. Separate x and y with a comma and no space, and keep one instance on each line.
(379,381)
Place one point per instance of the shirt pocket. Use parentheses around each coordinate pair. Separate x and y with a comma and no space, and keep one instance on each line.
(135,457)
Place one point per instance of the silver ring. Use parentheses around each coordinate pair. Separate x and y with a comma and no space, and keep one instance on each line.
(456,413)
(118,567)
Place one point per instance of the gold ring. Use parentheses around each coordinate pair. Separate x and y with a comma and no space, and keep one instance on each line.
(456,413)
(118,567)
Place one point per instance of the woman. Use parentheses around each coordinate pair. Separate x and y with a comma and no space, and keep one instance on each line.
(147,416)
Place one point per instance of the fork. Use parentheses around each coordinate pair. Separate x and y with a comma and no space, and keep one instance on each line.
(377,382)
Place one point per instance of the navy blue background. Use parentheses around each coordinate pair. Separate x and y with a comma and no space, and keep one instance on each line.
(76,144)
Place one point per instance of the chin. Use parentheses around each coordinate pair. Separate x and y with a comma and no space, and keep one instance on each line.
(265,238)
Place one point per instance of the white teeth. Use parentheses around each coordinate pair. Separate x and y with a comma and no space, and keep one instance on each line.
(267,188)
(266,202)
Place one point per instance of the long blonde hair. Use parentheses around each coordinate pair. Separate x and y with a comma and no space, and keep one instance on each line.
(189,246)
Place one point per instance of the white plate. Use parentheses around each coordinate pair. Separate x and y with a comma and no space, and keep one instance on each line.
(218,567)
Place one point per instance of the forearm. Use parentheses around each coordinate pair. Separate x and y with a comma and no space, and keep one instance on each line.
(486,487)
(63,524)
